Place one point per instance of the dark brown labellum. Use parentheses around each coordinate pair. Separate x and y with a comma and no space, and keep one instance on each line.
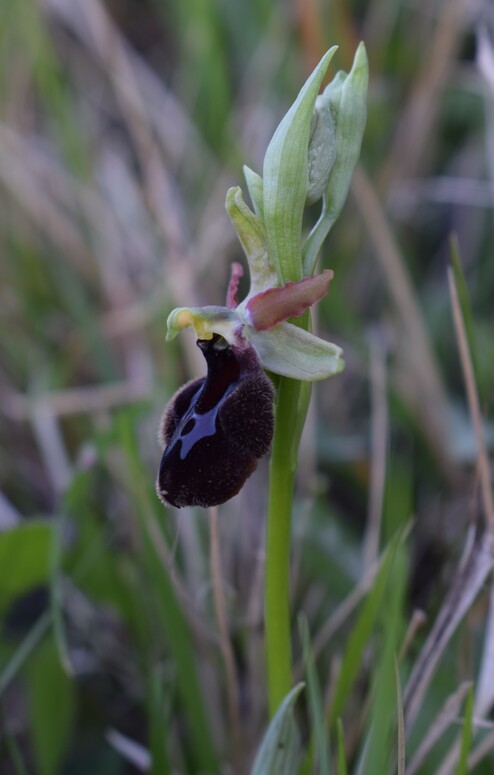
(214,429)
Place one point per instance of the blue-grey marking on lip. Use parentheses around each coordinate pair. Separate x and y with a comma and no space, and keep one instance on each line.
(204,424)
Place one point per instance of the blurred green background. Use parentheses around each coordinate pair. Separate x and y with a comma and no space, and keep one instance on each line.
(122,124)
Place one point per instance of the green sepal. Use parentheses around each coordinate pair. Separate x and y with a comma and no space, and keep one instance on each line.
(292,352)
(286,178)
(346,96)
(252,235)
(255,188)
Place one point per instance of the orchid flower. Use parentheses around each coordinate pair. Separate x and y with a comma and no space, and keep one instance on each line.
(214,429)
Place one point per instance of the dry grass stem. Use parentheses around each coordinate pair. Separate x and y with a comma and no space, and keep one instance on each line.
(443,720)
(418,620)
(473,403)
(484,694)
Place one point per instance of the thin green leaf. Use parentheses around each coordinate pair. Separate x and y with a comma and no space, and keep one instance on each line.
(315,702)
(159,711)
(279,752)
(342,768)
(466,737)
(401,723)
(358,640)
(382,713)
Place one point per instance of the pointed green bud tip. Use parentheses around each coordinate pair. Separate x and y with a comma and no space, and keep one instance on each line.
(286,178)
(256,190)
(345,101)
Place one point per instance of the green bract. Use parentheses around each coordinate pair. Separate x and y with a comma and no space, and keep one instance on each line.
(311,157)
(346,98)
(286,177)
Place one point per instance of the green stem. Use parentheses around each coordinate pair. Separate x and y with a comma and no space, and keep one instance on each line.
(291,405)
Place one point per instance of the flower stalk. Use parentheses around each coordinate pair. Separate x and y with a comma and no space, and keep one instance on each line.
(291,407)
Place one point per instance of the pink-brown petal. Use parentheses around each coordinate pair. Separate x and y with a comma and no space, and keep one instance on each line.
(275,305)
(237,272)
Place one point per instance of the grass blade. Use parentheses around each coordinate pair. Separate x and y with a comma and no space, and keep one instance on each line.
(401,724)
(466,737)
(358,640)
(342,768)
(473,401)
(382,712)
(158,722)
(280,748)
(319,729)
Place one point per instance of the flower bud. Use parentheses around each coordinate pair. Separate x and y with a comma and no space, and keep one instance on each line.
(214,429)
(322,150)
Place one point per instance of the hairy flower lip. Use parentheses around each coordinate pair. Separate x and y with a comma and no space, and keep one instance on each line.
(216,428)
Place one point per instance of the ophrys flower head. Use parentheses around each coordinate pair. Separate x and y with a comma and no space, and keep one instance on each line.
(215,429)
